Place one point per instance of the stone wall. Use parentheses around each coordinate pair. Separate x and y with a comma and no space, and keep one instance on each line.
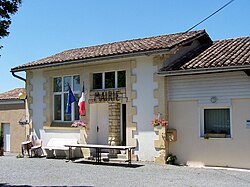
(114,123)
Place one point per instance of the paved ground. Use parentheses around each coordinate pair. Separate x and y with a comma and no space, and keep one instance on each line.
(55,172)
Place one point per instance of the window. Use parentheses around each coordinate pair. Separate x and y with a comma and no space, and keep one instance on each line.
(217,121)
(109,80)
(97,81)
(121,79)
(60,96)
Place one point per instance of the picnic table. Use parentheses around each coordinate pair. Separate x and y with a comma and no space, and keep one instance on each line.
(98,149)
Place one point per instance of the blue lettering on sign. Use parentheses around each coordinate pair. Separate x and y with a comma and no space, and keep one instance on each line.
(247,123)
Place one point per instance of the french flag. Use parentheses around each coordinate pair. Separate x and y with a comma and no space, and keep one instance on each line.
(81,103)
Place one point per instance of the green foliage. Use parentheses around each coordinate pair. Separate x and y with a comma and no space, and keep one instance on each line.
(171,159)
(7,8)
(19,156)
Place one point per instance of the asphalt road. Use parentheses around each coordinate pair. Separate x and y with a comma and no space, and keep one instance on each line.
(56,172)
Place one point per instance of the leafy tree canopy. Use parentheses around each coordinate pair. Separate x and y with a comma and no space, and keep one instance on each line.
(7,8)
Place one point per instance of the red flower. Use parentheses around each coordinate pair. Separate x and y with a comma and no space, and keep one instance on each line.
(158,121)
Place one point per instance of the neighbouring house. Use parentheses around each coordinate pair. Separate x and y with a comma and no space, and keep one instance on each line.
(199,86)
(12,110)
(209,105)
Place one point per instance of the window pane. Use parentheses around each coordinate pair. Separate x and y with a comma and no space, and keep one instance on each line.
(57,107)
(110,80)
(67,117)
(121,79)
(97,81)
(57,84)
(217,121)
(76,83)
(66,83)
(77,96)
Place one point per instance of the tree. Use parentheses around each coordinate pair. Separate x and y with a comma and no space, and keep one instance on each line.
(7,8)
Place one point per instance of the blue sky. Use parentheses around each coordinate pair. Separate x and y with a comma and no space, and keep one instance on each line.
(43,28)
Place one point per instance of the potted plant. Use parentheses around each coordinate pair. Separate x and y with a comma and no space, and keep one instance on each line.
(159,122)
(78,124)
(171,159)
(1,143)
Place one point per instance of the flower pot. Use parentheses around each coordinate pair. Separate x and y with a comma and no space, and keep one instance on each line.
(214,135)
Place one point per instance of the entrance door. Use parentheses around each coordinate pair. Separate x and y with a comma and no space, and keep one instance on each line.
(103,123)
(99,123)
(6,135)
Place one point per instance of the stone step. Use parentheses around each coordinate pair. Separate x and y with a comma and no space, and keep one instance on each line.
(106,156)
(122,156)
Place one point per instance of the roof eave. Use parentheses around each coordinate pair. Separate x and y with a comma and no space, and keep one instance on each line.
(202,71)
(95,59)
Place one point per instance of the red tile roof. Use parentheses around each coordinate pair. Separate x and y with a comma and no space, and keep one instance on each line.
(136,46)
(12,94)
(223,54)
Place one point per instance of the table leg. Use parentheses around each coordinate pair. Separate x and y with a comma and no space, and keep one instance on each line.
(70,152)
(97,154)
(129,156)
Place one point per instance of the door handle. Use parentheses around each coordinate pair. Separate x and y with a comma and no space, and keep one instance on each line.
(97,128)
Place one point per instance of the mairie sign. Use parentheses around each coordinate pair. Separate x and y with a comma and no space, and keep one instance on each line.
(106,95)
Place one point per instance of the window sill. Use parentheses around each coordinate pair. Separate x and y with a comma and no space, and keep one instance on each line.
(216,136)
(61,128)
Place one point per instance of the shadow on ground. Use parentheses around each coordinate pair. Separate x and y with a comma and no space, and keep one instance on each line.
(132,165)
(8,185)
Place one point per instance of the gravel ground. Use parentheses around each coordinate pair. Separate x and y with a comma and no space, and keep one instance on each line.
(56,172)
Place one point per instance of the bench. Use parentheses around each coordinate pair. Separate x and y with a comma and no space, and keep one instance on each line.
(56,148)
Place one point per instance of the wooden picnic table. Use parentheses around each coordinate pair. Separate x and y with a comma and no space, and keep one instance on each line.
(98,149)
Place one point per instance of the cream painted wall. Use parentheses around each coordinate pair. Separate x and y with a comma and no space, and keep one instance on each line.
(140,106)
(190,147)
(145,103)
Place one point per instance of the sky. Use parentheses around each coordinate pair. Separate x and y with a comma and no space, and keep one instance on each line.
(43,28)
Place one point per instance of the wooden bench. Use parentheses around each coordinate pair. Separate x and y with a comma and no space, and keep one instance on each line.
(98,149)
(56,148)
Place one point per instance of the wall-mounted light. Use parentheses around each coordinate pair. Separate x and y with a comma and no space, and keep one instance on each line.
(22,96)
(24,120)
(213,99)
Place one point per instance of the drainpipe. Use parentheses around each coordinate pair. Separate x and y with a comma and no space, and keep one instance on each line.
(24,98)
(17,76)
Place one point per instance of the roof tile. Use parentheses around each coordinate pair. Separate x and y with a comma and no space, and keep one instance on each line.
(12,94)
(117,48)
(224,53)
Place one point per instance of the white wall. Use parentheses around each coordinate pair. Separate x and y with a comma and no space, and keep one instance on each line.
(47,134)
(145,103)
(37,107)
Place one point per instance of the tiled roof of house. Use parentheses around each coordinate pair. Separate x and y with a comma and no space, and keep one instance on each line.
(136,46)
(223,54)
(12,94)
